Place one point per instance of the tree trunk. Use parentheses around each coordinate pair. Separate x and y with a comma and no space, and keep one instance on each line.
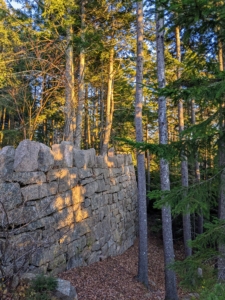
(101,119)
(221,260)
(109,105)
(142,209)
(147,165)
(3,118)
(170,277)
(87,121)
(184,163)
(200,219)
(220,55)
(69,89)
(148,177)
(81,88)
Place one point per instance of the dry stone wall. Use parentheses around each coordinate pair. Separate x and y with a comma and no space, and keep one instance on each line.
(62,208)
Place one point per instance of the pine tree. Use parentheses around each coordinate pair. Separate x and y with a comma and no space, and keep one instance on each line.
(184,162)
(170,278)
(142,209)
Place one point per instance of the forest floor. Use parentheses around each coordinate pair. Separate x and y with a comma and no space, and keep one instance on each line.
(114,277)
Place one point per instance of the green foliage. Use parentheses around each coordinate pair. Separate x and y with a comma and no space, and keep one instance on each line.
(197,272)
(195,198)
(43,283)
(41,287)
(167,151)
(217,292)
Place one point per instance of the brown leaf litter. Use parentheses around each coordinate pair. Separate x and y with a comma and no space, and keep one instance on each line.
(114,277)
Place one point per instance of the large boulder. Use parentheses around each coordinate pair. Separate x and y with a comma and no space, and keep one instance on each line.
(26,156)
(6,163)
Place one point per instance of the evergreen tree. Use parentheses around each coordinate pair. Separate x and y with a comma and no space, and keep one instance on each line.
(170,278)
(142,210)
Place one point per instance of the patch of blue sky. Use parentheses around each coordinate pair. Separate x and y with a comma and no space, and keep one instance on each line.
(14,4)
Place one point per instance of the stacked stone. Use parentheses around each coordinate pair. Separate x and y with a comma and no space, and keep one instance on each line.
(62,207)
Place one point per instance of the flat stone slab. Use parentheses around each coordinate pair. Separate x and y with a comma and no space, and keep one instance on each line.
(29,177)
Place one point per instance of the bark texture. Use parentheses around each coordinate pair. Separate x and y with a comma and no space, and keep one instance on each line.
(81,87)
(69,90)
(221,260)
(87,121)
(142,209)
(109,105)
(184,162)
(200,218)
(170,277)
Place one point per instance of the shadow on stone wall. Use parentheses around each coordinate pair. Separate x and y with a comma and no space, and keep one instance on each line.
(62,207)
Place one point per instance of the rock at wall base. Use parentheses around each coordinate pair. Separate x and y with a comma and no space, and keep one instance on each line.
(65,290)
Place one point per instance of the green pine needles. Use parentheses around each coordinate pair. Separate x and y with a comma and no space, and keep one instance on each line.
(196,197)
(41,287)
(198,272)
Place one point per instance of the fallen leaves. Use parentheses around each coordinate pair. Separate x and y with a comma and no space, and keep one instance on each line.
(114,278)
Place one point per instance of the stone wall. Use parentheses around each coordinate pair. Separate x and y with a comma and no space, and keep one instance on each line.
(62,208)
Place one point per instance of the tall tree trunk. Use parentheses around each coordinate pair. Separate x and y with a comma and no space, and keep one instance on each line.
(96,118)
(147,163)
(3,118)
(148,176)
(200,219)
(93,122)
(170,277)
(69,90)
(220,55)
(101,118)
(87,121)
(109,112)
(221,260)
(184,162)
(81,88)
(142,209)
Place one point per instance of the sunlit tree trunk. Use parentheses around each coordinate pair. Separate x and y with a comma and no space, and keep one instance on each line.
(101,118)
(184,162)
(109,105)
(220,55)
(3,118)
(81,91)
(221,260)
(87,121)
(142,209)
(170,277)
(97,125)
(69,90)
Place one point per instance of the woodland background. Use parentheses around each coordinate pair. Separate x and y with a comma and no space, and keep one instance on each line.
(68,71)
